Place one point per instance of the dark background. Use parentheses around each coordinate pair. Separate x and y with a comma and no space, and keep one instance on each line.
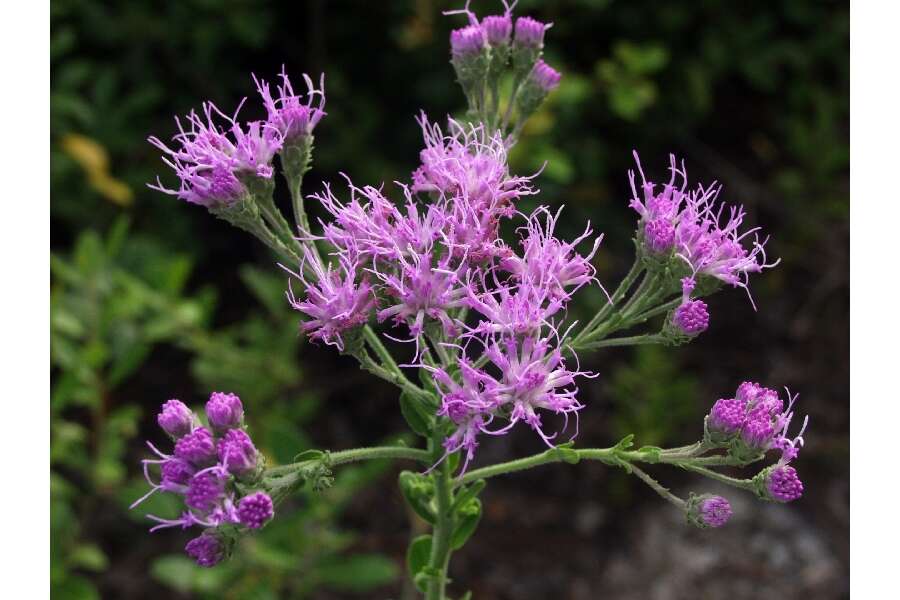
(153,298)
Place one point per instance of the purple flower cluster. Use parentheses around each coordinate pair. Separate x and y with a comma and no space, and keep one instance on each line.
(439,260)
(693,227)
(755,421)
(203,468)
(214,155)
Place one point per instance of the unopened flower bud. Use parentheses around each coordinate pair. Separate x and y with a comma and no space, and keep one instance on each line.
(237,452)
(175,418)
(205,490)
(724,420)
(541,81)
(207,550)
(197,448)
(529,33)
(255,510)
(691,318)
(497,30)
(708,511)
(224,411)
(779,484)
(659,236)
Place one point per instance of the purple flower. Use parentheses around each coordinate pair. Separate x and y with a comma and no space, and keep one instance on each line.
(206,489)
(207,550)
(176,474)
(467,42)
(176,419)
(520,309)
(255,510)
(336,300)
(197,448)
(726,417)
(783,484)
(691,317)
(703,233)
(210,161)
(288,113)
(224,411)
(545,77)
(237,453)
(534,377)
(529,33)
(714,511)
(497,29)
(549,261)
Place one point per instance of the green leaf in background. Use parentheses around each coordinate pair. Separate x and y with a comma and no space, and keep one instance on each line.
(357,572)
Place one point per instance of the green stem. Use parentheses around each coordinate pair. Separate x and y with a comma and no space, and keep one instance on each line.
(440,537)
(388,370)
(358,454)
(617,296)
(635,340)
(657,487)
(744,484)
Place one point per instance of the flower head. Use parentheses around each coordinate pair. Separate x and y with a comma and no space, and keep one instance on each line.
(210,160)
(255,510)
(691,318)
(530,33)
(701,232)
(545,77)
(197,448)
(207,549)
(467,42)
(175,418)
(205,490)
(224,411)
(237,453)
(783,484)
(497,29)
(337,299)
(289,114)
(707,510)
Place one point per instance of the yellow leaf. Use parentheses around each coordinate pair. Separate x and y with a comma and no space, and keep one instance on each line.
(93,158)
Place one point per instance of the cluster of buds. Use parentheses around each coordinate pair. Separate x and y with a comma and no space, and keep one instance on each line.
(216,469)
(751,424)
(483,51)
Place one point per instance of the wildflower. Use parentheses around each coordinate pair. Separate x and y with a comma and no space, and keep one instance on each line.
(725,419)
(197,448)
(530,33)
(549,261)
(707,510)
(255,510)
(497,29)
(205,490)
(288,114)
(336,301)
(207,549)
(176,419)
(715,511)
(691,318)
(698,229)
(224,411)
(520,309)
(783,484)
(467,42)
(542,80)
(237,454)
(211,162)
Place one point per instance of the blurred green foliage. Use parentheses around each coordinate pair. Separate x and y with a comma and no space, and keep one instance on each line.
(168,301)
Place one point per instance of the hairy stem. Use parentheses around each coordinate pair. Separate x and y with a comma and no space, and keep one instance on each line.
(440,538)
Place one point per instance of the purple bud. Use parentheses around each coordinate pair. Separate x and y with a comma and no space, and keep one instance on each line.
(175,418)
(691,318)
(714,511)
(545,77)
(497,29)
(224,411)
(255,510)
(529,33)
(467,42)
(659,235)
(175,474)
(758,432)
(205,490)
(197,448)
(207,549)
(237,452)
(783,484)
(726,417)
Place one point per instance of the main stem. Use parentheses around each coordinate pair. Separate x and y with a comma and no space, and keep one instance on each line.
(440,537)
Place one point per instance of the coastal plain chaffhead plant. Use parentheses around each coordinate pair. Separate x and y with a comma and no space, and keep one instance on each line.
(423,264)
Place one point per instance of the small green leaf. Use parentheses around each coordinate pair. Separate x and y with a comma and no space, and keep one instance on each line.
(650,453)
(88,556)
(468,522)
(416,414)
(418,554)
(418,491)
(625,443)
(566,453)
